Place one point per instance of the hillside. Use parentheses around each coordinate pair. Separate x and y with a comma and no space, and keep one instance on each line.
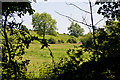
(63,37)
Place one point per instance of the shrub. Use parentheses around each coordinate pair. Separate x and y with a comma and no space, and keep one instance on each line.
(51,41)
(60,41)
(72,40)
(87,40)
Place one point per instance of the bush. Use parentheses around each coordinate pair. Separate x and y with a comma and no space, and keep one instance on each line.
(51,41)
(72,40)
(60,41)
(87,40)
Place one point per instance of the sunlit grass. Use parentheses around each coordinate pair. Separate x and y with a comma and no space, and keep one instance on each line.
(38,56)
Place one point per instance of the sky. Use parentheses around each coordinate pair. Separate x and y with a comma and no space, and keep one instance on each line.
(60,6)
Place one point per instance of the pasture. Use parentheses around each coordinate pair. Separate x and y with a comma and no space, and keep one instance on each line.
(38,56)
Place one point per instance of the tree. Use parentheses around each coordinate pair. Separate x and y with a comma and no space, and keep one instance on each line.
(108,9)
(13,66)
(108,39)
(43,23)
(75,29)
(111,31)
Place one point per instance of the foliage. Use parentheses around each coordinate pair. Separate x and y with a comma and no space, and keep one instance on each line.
(44,23)
(87,40)
(72,40)
(16,7)
(110,37)
(109,9)
(51,41)
(45,71)
(103,68)
(75,29)
(13,66)
(68,68)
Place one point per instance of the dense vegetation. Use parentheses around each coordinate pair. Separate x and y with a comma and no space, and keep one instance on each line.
(98,58)
(13,65)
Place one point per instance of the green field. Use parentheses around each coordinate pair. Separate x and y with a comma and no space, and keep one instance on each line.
(38,56)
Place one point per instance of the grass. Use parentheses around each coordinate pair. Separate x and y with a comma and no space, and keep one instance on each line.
(38,56)
(63,37)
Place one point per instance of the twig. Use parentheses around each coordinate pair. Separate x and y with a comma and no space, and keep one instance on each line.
(78,7)
(84,20)
(99,21)
(69,18)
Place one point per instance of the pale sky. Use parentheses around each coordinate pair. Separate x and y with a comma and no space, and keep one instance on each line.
(60,6)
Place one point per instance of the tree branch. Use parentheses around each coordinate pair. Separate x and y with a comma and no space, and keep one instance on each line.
(78,7)
(51,54)
(84,20)
(71,19)
(99,21)
(6,37)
